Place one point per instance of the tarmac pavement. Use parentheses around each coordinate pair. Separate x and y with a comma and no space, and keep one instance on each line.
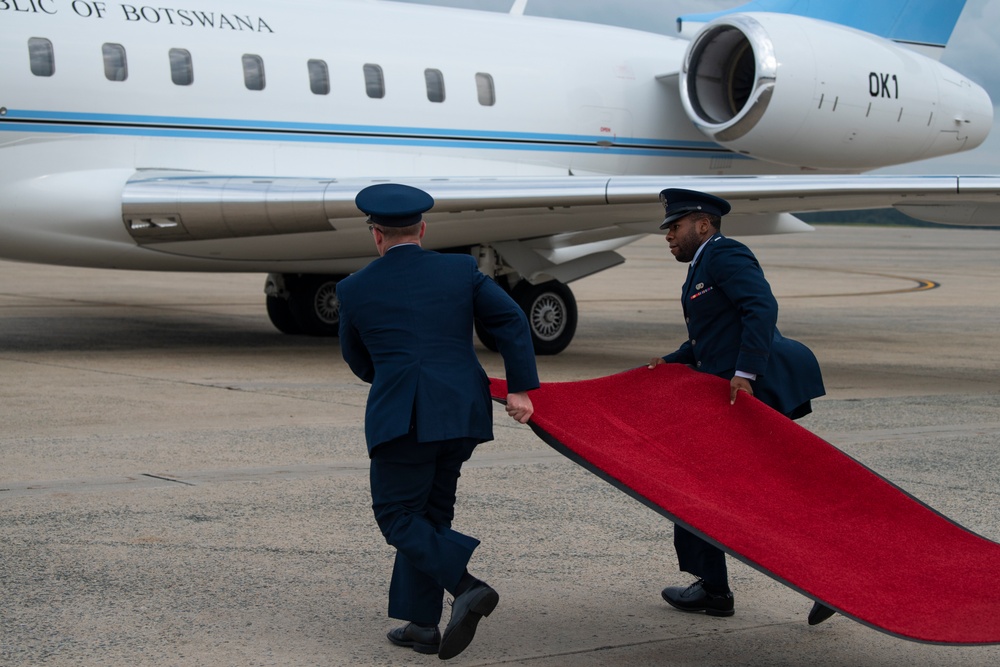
(180,484)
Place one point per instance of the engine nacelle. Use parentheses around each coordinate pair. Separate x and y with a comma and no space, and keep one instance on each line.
(808,93)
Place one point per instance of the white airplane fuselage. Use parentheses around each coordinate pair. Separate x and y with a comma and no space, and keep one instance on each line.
(99,132)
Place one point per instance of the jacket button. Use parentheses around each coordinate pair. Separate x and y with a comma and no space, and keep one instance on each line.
(698,364)
(693,341)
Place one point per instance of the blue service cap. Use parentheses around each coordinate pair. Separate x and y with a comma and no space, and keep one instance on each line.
(678,202)
(393,204)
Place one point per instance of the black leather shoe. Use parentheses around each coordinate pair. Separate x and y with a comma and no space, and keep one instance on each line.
(421,640)
(696,598)
(480,600)
(819,613)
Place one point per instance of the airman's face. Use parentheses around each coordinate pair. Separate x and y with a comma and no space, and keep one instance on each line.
(685,235)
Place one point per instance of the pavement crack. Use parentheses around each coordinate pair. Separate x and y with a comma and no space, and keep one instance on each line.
(167,479)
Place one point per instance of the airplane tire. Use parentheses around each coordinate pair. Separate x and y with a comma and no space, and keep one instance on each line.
(280,313)
(552,314)
(314,305)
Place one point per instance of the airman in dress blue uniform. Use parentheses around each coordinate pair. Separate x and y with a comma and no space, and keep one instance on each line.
(406,325)
(731,318)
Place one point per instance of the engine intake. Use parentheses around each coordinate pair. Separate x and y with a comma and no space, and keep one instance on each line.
(726,80)
(812,94)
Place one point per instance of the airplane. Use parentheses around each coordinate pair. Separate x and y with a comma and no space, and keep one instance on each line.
(233,136)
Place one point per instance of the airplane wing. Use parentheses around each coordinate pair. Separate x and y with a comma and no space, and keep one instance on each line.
(534,235)
(174,210)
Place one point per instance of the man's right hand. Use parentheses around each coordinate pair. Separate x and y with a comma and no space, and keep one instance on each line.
(654,362)
(519,407)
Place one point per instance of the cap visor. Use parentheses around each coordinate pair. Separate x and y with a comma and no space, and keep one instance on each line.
(676,215)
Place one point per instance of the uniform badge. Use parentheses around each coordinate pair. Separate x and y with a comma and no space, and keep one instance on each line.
(700,286)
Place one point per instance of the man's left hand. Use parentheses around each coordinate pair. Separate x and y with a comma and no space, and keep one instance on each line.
(736,385)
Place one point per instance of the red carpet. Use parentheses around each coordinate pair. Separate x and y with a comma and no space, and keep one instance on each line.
(778,498)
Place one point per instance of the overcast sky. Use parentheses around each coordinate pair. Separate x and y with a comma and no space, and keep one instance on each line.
(974,50)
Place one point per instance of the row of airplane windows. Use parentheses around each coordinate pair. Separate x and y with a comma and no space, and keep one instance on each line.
(43,63)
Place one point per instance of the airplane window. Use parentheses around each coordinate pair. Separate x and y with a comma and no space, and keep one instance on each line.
(41,56)
(253,71)
(484,86)
(319,77)
(374,81)
(181,67)
(435,85)
(115,64)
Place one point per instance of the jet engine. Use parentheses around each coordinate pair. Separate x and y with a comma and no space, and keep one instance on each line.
(812,94)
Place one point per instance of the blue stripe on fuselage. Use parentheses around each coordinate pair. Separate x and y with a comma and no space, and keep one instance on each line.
(224,128)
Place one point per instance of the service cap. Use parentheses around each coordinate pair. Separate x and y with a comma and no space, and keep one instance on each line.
(393,204)
(678,202)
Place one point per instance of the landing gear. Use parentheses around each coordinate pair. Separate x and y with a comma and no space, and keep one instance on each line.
(281,315)
(304,304)
(552,314)
(307,304)
(314,305)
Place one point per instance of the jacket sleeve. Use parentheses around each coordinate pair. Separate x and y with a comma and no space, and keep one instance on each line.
(507,323)
(682,355)
(351,346)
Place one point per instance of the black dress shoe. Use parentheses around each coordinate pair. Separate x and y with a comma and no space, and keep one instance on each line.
(696,598)
(819,613)
(421,640)
(480,600)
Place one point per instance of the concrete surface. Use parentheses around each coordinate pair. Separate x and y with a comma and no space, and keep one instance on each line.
(182,485)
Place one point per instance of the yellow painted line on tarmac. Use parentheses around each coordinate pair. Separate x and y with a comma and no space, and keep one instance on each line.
(921,284)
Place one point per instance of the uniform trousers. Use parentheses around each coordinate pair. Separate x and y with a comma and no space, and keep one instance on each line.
(698,557)
(413,489)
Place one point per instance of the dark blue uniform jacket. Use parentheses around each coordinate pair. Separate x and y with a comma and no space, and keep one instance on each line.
(731,319)
(406,326)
